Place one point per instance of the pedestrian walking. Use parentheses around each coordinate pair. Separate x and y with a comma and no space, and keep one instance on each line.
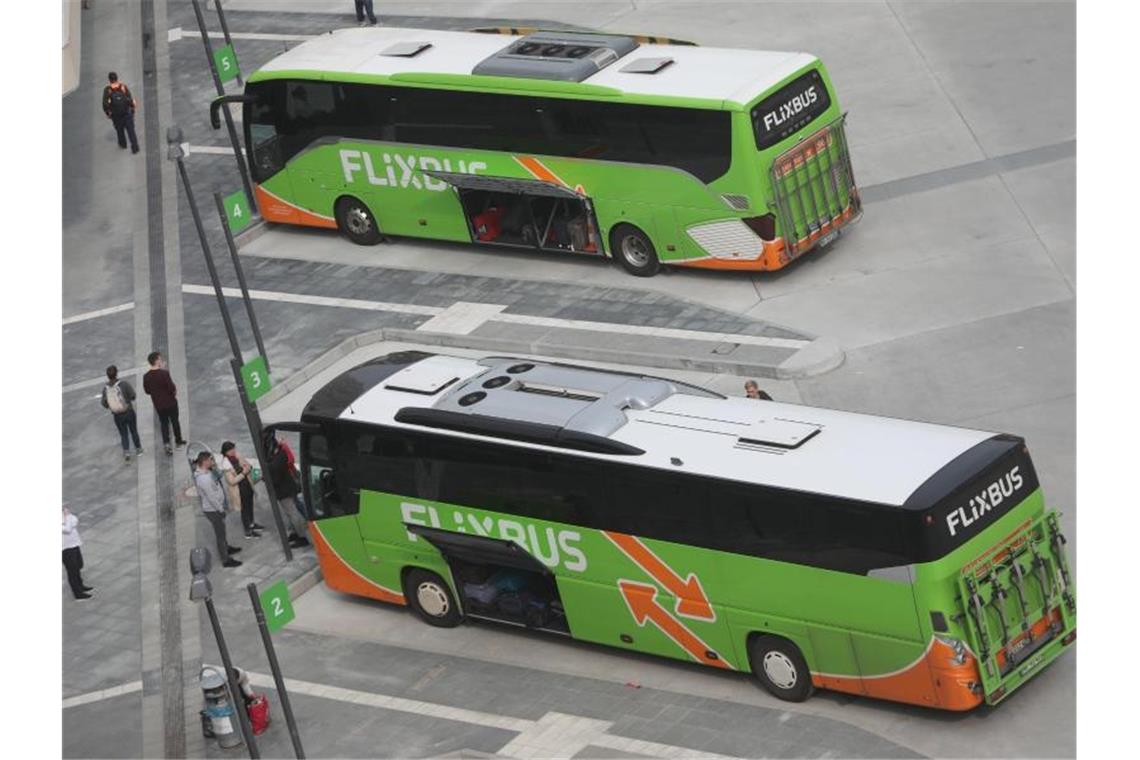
(752,391)
(363,6)
(163,393)
(120,105)
(213,498)
(288,490)
(73,556)
(118,396)
(238,474)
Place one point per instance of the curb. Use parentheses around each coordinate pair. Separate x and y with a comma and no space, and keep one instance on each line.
(819,356)
(307,580)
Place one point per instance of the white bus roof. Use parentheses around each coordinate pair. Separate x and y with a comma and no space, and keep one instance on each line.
(679,428)
(725,74)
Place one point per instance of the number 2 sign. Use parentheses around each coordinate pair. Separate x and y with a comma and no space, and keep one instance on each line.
(277,606)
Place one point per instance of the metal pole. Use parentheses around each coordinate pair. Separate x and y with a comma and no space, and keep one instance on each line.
(271,653)
(226,32)
(252,417)
(225,107)
(253,420)
(241,277)
(235,688)
(210,262)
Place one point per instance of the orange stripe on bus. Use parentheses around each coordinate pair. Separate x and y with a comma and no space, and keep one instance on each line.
(341,577)
(275,209)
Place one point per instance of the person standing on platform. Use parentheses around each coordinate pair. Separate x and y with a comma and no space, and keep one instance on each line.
(73,556)
(119,397)
(163,393)
(213,498)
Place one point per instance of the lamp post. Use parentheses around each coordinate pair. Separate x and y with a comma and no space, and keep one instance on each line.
(202,591)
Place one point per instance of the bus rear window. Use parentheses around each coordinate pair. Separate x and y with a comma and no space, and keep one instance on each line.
(790,109)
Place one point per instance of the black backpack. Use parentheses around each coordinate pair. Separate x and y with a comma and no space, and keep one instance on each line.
(120,101)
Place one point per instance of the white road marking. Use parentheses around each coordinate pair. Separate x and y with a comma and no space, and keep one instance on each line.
(554,735)
(217,150)
(346,303)
(493,313)
(98,313)
(462,317)
(100,380)
(97,696)
(178,33)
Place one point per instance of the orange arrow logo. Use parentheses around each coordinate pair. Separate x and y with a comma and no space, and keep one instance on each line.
(641,598)
(691,599)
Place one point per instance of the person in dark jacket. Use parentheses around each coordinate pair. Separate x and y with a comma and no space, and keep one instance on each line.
(120,105)
(752,391)
(118,396)
(158,384)
(286,488)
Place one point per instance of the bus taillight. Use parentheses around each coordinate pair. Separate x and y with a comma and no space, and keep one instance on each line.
(764,226)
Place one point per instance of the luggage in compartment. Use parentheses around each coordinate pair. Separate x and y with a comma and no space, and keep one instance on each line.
(488,224)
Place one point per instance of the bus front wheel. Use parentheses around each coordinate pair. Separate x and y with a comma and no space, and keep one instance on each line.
(780,668)
(357,222)
(634,250)
(431,598)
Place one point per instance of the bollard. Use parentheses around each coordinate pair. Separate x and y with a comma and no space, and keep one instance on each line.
(219,708)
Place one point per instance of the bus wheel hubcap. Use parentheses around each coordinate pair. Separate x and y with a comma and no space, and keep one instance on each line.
(358,221)
(432,599)
(635,251)
(780,670)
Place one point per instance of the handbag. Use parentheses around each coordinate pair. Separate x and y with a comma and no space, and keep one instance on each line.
(257,707)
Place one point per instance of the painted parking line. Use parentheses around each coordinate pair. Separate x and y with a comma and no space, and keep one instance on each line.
(100,380)
(551,736)
(178,33)
(98,313)
(101,694)
(461,318)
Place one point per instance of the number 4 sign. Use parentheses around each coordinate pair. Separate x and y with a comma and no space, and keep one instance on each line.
(277,606)
(255,378)
(237,211)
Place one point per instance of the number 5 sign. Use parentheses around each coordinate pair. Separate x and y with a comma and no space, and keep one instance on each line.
(225,59)
(276,605)
(255,378)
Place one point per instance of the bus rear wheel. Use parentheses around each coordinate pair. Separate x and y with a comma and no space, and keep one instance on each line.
(634,250)
(431,598)
(357,222)
(780,668)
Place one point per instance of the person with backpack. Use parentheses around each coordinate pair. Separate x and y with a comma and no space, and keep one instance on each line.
(120,105)
(118,396)
(163,393)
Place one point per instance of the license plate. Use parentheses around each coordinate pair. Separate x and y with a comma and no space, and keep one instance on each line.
(1033,663)
(828,238)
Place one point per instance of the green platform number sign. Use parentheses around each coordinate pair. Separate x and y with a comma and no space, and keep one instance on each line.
(225,60)
(277,606)
(255,378)
(237,211)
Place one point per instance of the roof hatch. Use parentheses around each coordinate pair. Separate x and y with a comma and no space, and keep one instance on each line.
(406,49)
(646,65)
(561,56)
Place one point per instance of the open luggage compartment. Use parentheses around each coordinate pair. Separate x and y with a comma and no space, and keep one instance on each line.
(525,213)
(498,580)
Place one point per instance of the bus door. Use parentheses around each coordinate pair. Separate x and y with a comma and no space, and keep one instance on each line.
(496,579)
(263,115)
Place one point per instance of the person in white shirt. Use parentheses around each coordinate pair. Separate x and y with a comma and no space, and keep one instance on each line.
(73,557)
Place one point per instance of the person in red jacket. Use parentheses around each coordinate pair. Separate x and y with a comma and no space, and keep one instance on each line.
(158,384)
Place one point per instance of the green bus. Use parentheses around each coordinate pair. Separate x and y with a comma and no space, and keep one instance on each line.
(648,152)
(818,549)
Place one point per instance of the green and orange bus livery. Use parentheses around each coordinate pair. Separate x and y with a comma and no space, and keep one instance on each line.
(599,144)
(815,548)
